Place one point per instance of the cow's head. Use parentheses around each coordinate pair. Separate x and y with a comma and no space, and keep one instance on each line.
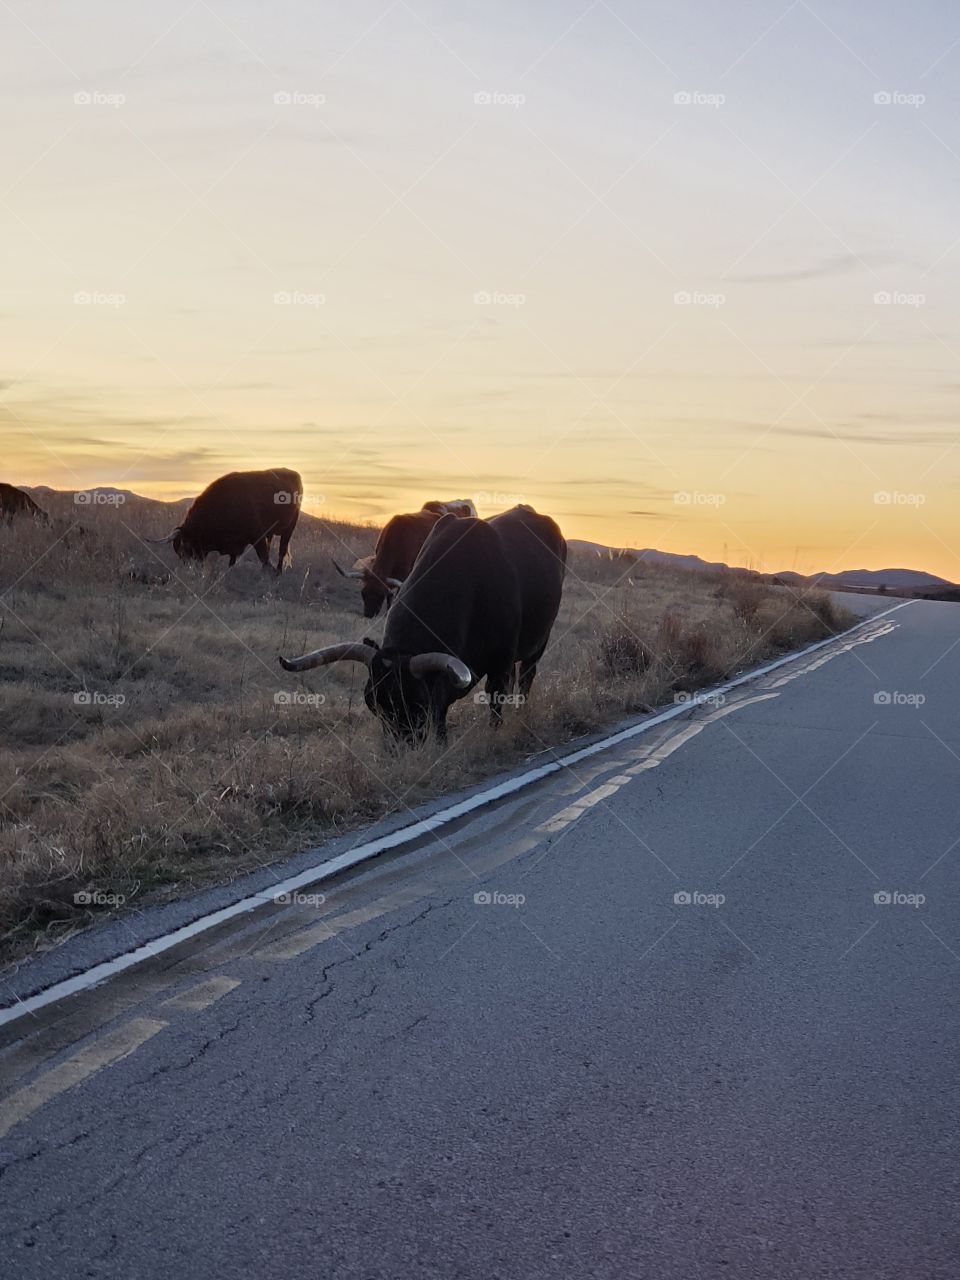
(409,693)
(186,547)
(375,592)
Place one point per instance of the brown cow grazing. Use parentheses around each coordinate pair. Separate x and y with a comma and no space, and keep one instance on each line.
(14,502)
(397,548)
(481,601)
(240,510)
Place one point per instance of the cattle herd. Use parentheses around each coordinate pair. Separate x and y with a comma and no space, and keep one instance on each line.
(468,599)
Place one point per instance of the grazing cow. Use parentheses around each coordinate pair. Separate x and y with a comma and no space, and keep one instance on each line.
(481,599)
(397,548)
(240,510)
(14,502)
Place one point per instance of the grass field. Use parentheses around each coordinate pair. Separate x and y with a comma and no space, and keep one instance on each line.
(150,742)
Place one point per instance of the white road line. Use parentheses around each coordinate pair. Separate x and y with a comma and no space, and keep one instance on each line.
(372,848)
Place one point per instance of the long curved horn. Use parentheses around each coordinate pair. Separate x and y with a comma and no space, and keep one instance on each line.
(347,573)
(347,652)
(162,542)
(394,583)
(444,664)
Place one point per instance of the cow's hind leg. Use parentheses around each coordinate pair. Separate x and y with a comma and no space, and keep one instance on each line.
(528,669)
(499,685)
(262,548)
(284,543)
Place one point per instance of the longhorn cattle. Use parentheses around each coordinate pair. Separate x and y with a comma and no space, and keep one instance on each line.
(240,510)
(397,548)
(14,502)
(481,600)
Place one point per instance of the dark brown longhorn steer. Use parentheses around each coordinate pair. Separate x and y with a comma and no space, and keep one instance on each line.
(14,502)
(397,548)
(240,510)
(482,598)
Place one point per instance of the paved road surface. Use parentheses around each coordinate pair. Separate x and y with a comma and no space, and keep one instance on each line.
(604,1081)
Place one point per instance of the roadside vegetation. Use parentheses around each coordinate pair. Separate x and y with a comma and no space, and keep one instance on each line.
(150,743)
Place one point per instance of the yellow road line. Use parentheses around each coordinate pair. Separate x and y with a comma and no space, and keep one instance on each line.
(202,995)
(104,1051)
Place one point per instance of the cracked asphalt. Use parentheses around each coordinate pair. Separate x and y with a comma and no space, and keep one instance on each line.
(601,1081)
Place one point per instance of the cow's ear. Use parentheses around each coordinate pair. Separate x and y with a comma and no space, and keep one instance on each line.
(372,643)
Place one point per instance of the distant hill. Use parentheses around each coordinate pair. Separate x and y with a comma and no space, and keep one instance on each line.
(869,579)
(892,579)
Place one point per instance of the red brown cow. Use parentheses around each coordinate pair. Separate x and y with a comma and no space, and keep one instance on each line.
(14,502)
(397,548)
(240,510)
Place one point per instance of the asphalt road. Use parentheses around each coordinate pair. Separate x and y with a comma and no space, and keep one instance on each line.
(602,1080)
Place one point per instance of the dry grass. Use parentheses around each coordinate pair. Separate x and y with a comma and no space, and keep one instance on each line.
(181,767)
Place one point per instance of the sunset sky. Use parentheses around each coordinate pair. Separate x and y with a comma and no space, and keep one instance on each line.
(481,216)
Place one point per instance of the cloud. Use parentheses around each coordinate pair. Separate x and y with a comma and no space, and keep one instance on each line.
(841,265)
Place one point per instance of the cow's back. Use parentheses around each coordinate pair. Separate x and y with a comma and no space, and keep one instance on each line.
(462,597)
(241,507)
(537,550)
